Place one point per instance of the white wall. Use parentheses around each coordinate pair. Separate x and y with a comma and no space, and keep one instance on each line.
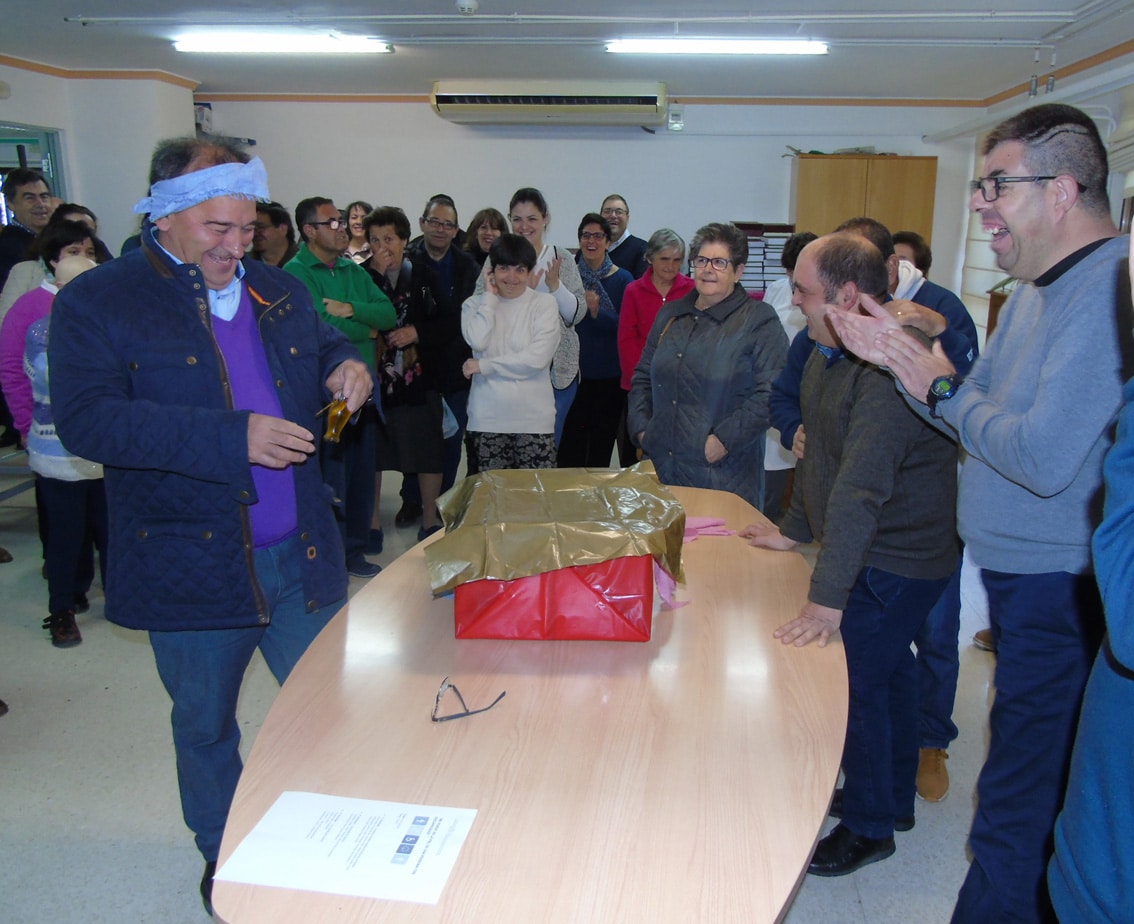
(727,164)
(107,130)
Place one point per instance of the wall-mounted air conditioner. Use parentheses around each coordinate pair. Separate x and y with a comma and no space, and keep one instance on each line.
(572,102)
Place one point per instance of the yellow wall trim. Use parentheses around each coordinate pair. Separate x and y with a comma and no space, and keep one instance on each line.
(203,97)
(73,74)
(1103,57)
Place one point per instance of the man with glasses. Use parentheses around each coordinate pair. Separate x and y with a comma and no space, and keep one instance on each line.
(1034,417)
(626,251)
(456,274)
(348,299)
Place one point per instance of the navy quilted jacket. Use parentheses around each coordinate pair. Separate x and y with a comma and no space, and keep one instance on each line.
(708,372)
(137,383)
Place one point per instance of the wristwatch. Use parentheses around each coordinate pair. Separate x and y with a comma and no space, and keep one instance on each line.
(942,388)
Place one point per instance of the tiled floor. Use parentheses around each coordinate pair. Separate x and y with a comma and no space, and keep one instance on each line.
(90,826)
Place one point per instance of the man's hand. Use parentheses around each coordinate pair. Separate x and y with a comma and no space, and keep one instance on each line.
(911,314)
(767,536)
(402,337)
(798,441)
(859,333)
(277,443)
(337,309)
(914,365)
(813,622)
(470,368)
(351,379)
(714,449)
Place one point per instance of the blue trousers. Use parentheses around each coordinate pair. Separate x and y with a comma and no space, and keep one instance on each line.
(202,671)
(1047,629)
(564,398)
(938,666)
(348,467)
(882,616)
(76,522)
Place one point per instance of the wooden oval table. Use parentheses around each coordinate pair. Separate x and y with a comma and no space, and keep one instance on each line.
(683,779)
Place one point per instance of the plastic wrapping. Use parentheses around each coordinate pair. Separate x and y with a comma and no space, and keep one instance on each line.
(503,525)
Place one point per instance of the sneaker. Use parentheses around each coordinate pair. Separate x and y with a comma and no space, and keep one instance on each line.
(375,542)
(932,777)
(408,515)
(984,641)
(64,632)
(360,567)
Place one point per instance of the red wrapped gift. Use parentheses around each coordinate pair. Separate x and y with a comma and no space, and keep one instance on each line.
(609,601)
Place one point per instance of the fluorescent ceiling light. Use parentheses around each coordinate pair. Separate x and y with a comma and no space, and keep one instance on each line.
(706,46)
(281,43)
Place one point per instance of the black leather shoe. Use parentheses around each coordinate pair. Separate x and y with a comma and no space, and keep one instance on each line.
(842,851)
(836,811)
(408,515)
(207,886)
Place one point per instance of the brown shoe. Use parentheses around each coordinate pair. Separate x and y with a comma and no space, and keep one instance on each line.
(64,632)
(984,641)
(932,777)
(5,556)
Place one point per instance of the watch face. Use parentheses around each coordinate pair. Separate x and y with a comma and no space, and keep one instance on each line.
(942,386)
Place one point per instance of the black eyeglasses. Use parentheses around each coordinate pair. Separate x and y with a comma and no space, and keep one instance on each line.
(592,236)
(992,186)
(446,686)
(436,223)
(333,223)
(718,263)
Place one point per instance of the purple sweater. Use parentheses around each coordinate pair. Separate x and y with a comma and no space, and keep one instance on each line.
(274,514)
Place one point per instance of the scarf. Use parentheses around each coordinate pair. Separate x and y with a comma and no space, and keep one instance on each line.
(592,281)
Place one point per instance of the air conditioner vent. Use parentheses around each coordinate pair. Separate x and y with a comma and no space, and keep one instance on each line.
(534,102)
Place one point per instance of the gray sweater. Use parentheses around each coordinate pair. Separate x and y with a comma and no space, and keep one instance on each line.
(877,485)
(1035,417)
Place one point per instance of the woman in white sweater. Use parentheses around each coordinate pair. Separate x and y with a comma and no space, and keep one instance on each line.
(514,331)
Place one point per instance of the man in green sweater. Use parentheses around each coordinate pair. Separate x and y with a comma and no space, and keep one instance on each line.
(348,299)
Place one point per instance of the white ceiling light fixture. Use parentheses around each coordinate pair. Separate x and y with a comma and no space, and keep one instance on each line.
(281,43)
(713,46)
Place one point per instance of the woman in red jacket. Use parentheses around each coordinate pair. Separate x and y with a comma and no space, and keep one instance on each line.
(641,302)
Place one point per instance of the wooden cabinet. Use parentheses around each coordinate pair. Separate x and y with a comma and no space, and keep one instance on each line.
(898,191)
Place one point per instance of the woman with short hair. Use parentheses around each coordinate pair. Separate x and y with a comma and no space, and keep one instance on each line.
(699,395)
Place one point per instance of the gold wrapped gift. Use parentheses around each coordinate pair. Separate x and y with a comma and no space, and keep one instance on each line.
(504,525)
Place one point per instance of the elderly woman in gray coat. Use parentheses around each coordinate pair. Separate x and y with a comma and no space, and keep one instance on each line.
(699,396)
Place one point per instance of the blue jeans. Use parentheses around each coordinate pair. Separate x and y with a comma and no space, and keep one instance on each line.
(1047,629)
(882,615)
(203,670)
(564,398)
(938,665)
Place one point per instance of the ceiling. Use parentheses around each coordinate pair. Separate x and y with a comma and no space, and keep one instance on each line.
(920,49)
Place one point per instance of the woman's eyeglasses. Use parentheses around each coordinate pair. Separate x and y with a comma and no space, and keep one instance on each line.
(717,263)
